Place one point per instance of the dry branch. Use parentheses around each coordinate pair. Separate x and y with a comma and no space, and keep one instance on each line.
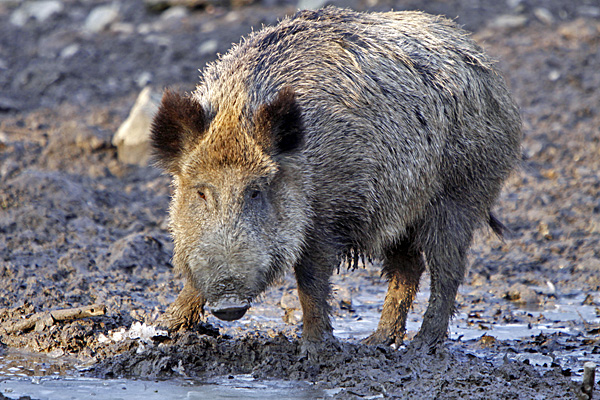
(42,320)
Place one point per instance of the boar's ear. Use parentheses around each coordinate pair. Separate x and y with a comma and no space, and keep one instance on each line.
(179,122)
(281,122)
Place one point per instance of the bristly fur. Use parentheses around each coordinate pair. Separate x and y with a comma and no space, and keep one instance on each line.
(179,122)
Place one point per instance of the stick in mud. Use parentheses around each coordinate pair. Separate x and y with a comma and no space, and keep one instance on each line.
(589,376)
(42,320)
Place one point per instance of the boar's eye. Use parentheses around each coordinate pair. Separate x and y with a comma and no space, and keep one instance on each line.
(201,195)
(255,194)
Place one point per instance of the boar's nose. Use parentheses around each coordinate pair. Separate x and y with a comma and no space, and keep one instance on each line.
(227,311)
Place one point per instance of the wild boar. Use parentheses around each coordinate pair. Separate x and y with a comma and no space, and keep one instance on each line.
(336,133)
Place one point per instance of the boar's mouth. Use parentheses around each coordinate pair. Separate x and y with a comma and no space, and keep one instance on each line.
(229,309)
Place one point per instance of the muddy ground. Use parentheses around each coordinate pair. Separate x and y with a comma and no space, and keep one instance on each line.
(78,228)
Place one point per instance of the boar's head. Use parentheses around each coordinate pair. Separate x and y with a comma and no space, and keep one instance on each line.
(239,208)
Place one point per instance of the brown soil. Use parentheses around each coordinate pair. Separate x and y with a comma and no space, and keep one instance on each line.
(79,228)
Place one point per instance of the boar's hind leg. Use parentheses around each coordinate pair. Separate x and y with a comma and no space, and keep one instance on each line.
(312,275)
(403,266)
(186,311)
(445,241)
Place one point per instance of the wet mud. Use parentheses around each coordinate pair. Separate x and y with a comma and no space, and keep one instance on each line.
(78,227)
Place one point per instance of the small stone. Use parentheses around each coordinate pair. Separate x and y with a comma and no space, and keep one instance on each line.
(133,137)
(509,21)
(124,28)
(544,15)
(101,17)
(311,4)
(486,340)
(554,75)
(544,230)
(177,12)
(69,51)
(41,11)
(143,79)
(208,47)
(522,295)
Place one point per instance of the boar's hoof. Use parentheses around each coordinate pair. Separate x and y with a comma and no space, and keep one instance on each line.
(382,338)
(229,310)
(426,345)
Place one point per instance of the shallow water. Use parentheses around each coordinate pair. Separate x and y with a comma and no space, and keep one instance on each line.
(43,376)
(233,387)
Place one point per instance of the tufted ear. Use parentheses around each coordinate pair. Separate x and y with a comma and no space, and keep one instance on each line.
(280,122)
(179,122)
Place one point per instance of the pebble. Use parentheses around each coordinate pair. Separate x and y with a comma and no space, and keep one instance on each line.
(208,47)
(177,12)
(311,4)
(101,17)
(122,27)
(69,51)
(544,15)
(554,75)
(522,294)
(41,11)
(509,21)
(143,79)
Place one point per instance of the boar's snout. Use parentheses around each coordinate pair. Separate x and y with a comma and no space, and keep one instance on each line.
(229,309)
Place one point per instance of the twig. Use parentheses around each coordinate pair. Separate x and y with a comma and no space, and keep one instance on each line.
(42,320)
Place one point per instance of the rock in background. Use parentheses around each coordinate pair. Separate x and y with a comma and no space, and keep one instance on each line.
(133,137)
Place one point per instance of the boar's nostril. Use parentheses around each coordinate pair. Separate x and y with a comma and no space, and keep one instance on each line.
(230,313)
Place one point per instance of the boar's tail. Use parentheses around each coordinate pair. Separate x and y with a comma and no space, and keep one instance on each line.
(498,227)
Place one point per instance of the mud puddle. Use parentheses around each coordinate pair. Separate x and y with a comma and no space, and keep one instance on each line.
(233,387)
(44,376)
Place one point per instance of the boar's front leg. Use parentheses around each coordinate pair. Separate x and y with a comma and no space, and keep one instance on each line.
(186,311)
(312,275)
(403,266)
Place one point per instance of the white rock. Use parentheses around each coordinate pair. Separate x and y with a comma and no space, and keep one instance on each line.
(311,4)
(509,21)
(554,75)
(208,47)
(38,10)
(69,51)
(122,27)
(101,17)
(177,12)
(133,137)
(143,79)
(544,15)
